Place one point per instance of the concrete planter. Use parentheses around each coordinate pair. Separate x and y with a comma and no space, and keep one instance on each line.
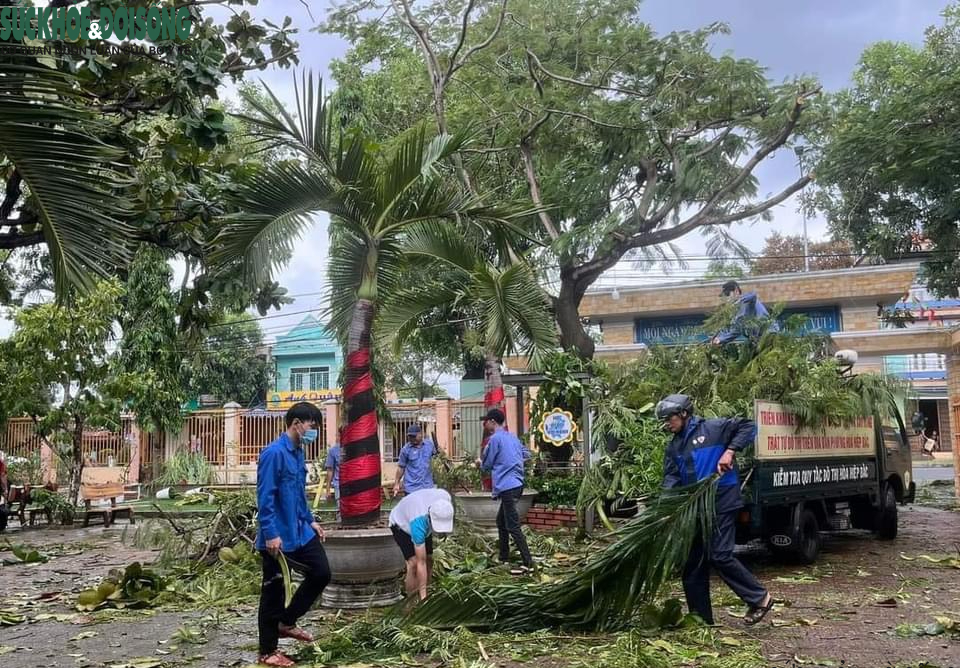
(481,508)
(366,565)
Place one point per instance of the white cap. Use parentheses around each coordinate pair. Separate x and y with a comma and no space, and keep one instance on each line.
(441,516)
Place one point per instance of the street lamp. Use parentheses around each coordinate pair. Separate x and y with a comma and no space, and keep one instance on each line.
(800,150)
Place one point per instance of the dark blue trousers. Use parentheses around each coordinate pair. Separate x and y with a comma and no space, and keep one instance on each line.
(696,573)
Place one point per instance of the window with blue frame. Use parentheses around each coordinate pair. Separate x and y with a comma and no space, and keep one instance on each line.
(309,378)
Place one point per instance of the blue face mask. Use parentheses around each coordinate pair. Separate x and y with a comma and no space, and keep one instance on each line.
(309,436)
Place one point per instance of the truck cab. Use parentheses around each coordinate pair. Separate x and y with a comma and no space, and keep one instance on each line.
(804,481)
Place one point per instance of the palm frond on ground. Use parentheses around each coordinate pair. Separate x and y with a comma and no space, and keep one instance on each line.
(605,594)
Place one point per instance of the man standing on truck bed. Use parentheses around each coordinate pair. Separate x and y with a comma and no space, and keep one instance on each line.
(749,307)
(699,449)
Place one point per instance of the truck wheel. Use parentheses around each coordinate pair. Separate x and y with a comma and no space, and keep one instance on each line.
(887,514)
(808,538)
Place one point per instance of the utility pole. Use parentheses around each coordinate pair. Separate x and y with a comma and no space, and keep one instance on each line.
(799,150)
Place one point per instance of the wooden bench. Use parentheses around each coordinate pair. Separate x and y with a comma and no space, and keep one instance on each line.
(92,493)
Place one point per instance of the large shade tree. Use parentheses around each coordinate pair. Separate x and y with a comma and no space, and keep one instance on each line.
(888,175)
(631,140)
(376,198)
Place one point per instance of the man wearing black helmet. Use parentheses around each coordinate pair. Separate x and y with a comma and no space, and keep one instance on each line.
(699,449)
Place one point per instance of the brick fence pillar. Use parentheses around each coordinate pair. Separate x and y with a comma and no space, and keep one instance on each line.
(444,411)
(133,441)
(331,421)
(48,464)
(231,439)
(953,399)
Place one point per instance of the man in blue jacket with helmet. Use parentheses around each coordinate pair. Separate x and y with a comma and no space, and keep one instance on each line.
(699,449)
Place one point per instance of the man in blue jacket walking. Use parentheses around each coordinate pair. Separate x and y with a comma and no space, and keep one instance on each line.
(504,456)
(699,449)
(749,307)
(286,525)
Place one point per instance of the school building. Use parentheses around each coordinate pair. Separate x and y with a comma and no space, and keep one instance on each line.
(851,305)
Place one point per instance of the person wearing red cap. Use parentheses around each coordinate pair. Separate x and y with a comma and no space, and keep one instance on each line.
(504,457)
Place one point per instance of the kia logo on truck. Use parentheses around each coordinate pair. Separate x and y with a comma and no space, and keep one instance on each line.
(780,540)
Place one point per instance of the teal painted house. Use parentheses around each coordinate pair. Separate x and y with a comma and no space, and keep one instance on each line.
(307,362)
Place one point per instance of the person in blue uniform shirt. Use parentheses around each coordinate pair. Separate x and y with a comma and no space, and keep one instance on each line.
(699,449)
(749,307)
(286,526)
(504,457)
(413,464)
(332,466)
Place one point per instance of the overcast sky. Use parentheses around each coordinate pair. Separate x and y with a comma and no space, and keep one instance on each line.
(823,38)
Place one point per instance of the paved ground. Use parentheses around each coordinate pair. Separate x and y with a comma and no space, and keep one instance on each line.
(928,473)
(847,608)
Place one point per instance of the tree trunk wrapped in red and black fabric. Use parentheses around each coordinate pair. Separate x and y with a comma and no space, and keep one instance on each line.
(493,397)
(360,493)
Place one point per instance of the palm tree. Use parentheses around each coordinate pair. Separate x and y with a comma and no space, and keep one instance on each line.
(376,198)
(61,180)
(504,306)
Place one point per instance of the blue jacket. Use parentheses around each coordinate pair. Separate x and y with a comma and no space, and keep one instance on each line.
(750,307)
(693,455)
(282,508)
(504,457)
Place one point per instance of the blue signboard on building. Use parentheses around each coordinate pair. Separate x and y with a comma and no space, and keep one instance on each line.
(825,320)
(669,331)
(676,330)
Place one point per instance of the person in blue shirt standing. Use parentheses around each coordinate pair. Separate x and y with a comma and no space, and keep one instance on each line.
(286,525)
(699,449)
(413,464)
(749,307)
(332,466)
(504,457)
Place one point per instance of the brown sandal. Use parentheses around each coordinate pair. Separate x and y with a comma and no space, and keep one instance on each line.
(277,659)
(756,614)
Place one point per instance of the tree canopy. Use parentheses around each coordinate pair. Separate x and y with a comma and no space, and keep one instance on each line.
(228,364)
(628,139)
(150,348)
(783,254)
(61,373)
(888,176)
